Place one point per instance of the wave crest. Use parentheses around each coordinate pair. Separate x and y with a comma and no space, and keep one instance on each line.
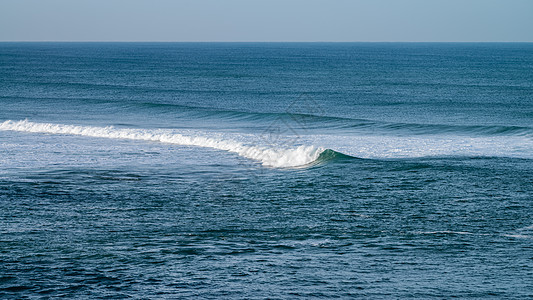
(267,156)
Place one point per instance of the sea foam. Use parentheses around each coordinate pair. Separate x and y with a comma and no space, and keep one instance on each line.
(267,156)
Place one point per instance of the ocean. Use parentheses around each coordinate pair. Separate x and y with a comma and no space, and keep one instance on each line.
(266,170)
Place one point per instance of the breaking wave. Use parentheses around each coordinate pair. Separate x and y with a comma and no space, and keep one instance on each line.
(317,149)
(267,156)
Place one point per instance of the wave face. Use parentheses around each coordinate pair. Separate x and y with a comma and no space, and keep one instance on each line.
(272,157)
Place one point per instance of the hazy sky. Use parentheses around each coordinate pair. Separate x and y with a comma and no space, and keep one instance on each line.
(272,20)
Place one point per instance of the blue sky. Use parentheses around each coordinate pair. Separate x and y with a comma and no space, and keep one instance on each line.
(273,20)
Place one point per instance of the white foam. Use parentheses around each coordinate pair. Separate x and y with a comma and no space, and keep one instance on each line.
(444,232)
(519,236)
(268,156)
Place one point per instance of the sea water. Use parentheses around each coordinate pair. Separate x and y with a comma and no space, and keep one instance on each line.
(266,170)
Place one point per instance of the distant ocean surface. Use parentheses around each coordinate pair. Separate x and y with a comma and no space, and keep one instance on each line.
(266,171)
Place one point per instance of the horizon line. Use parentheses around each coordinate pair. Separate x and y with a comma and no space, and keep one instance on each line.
(146,41)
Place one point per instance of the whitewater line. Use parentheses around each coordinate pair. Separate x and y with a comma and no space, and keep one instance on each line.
(272,157)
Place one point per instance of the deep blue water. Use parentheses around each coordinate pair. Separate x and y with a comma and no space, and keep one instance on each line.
(276,170)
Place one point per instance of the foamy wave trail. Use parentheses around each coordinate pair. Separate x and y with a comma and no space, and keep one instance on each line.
(272,157)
